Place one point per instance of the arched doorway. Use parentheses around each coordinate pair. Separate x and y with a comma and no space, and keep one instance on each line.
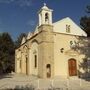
(72,65)
(48,69)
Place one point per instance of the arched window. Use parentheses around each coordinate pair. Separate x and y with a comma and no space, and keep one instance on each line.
(20,64)
(26,65)
(35,61)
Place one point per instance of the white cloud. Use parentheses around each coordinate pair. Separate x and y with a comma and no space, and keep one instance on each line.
(31,23)
(25,2)
(18,2)
(6,1)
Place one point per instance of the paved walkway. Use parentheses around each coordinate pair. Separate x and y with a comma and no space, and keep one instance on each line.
(15,80)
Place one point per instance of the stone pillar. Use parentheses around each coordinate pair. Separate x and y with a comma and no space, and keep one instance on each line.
(23,69)
(46,50)
(17,62)
(16,66)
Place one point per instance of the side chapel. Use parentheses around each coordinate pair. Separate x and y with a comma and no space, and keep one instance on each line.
(47,52)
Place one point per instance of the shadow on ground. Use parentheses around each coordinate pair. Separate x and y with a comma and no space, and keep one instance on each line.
(3,76)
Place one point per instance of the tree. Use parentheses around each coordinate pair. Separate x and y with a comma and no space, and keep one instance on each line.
(85,22)
(19,39)
(7,53)
(85,49)
(82,47)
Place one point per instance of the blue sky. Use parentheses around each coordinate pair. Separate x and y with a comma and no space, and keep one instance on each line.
(17,16)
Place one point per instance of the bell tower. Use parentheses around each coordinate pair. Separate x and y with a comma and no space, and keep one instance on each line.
(45,16)
(46,46)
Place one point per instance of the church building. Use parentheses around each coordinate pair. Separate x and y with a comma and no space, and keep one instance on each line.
(48,51)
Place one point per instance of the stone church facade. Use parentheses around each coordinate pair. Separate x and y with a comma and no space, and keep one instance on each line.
(47,52)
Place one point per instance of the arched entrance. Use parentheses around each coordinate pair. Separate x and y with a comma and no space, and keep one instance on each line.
(48,69)
(72,65)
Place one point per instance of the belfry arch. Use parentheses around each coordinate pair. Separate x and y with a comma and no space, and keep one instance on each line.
(46,18)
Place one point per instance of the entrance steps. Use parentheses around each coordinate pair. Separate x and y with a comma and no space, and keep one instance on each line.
(72,83)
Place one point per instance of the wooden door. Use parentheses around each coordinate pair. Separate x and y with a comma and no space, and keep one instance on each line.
(72,67)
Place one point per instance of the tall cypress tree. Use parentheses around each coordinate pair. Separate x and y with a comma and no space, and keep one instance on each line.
(7,53)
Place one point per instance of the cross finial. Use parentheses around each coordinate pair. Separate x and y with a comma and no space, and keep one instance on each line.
(44,4)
